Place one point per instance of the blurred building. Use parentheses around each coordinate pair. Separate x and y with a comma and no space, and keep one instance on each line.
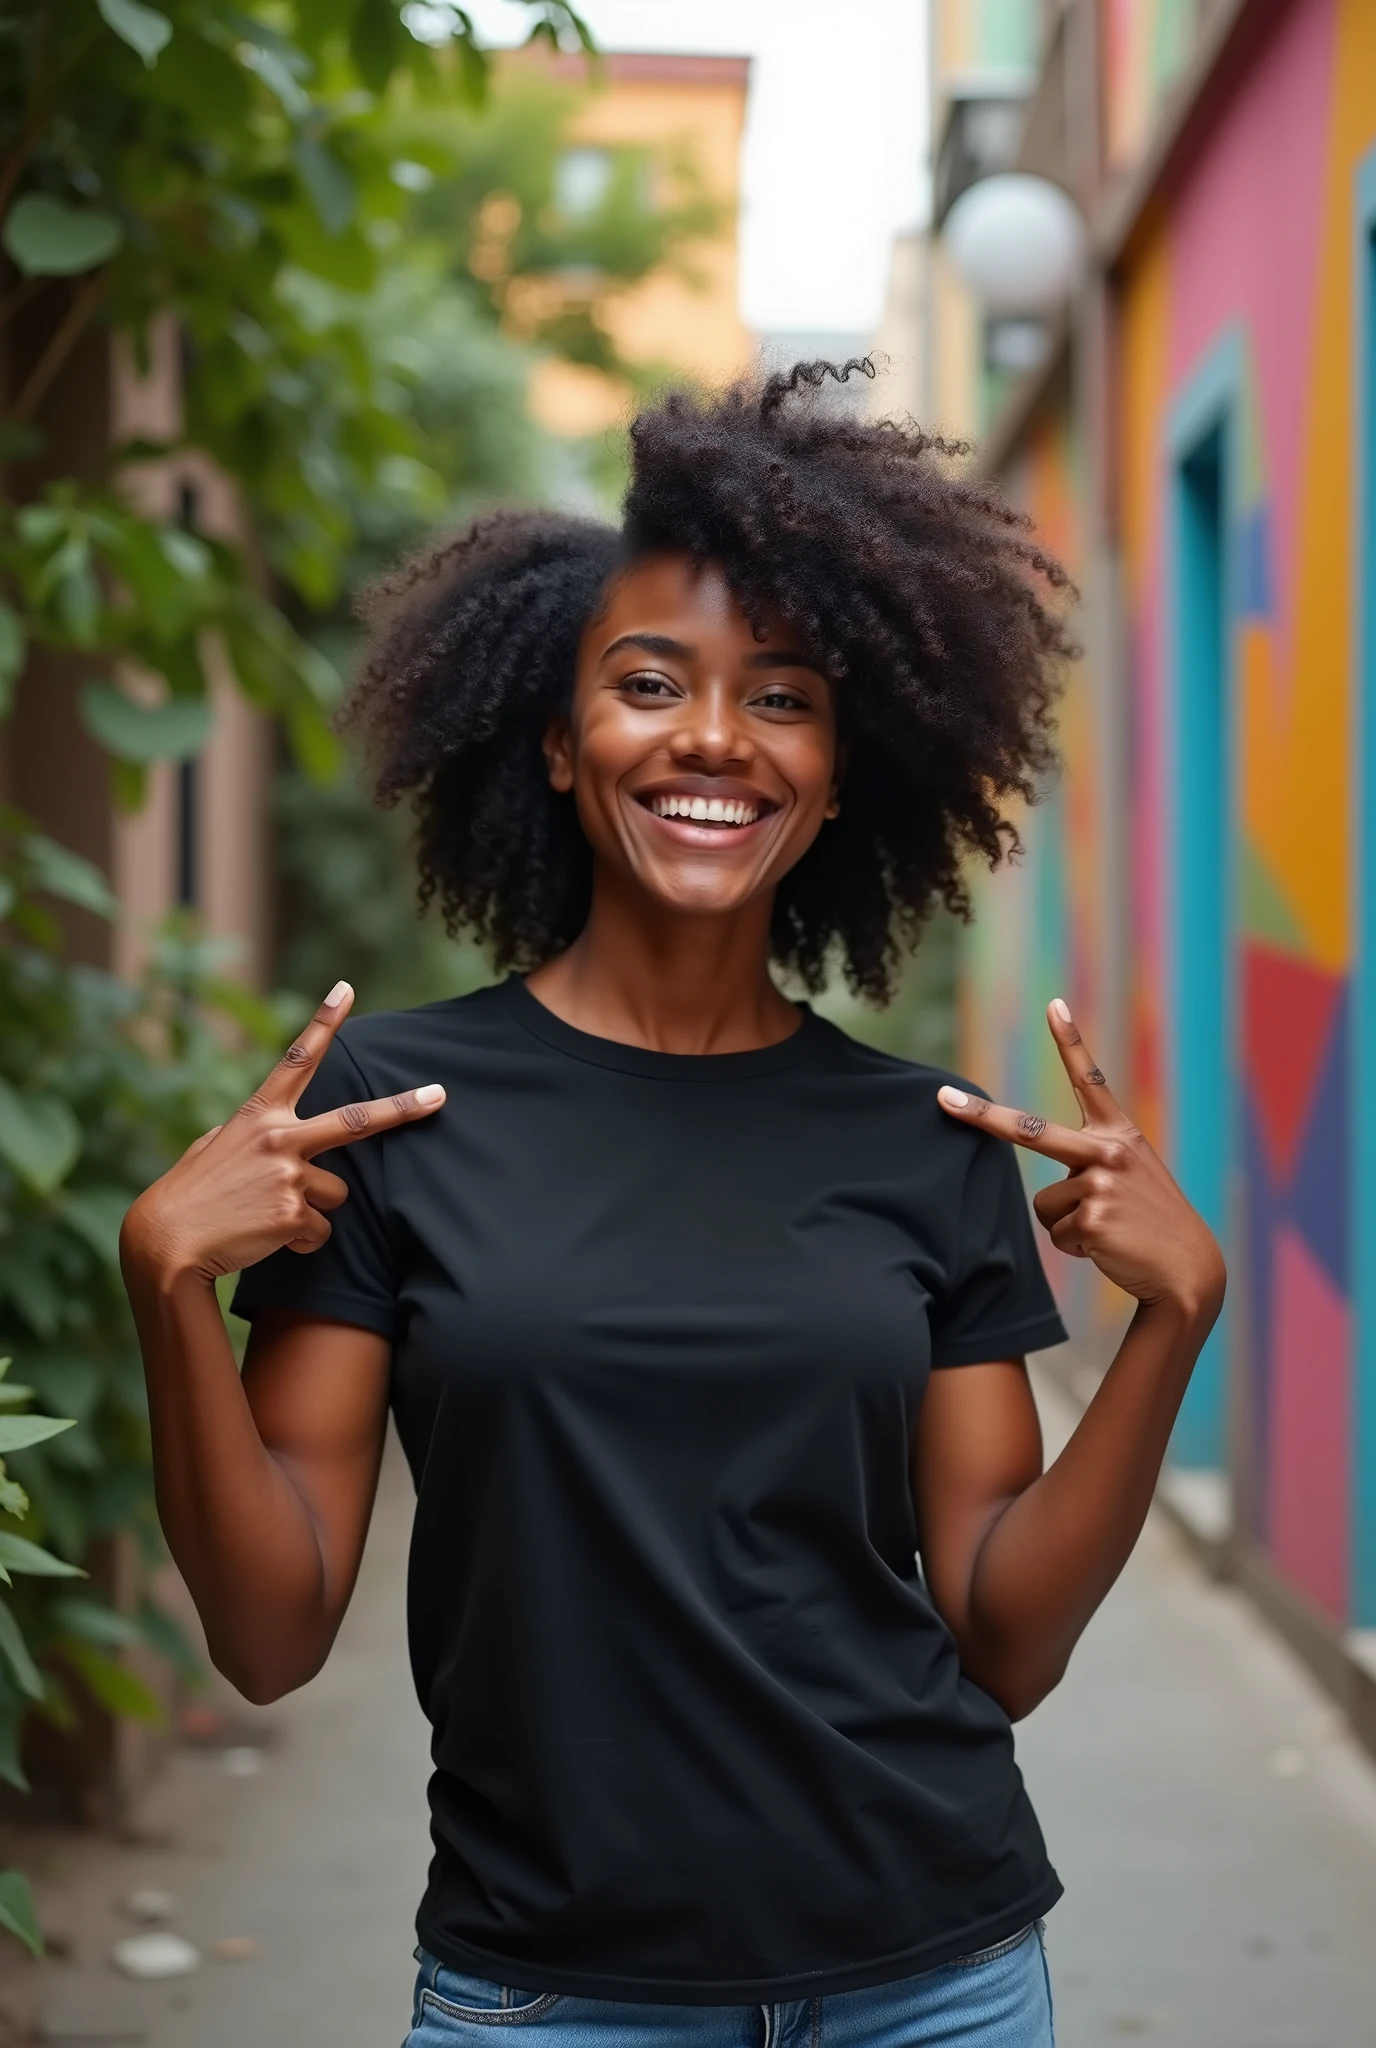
(688,114)
(1193,427)
(200,841)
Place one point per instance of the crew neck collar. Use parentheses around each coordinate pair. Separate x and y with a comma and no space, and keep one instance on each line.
(542,1023)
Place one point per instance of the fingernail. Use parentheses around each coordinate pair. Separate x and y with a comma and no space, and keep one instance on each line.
(1061,1008)
(957,1097)
(337,995)
(432,1093)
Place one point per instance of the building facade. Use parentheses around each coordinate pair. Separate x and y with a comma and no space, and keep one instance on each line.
(687,113)
(1198,440)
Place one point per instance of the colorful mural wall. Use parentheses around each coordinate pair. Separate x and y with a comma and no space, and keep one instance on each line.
(1245,367)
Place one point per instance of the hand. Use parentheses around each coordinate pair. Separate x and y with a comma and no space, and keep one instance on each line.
(1118,1205)
(247,1188)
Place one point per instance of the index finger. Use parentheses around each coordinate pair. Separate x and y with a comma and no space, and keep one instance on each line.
(1023,1127)
(334,1127)
(1092,1091)
(286,1083)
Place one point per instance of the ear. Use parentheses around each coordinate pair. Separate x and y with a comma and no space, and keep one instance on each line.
(557,747)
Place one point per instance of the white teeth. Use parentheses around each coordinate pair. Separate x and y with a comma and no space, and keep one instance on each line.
(704,810)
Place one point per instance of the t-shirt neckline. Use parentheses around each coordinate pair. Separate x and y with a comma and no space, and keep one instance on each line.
(543,1024)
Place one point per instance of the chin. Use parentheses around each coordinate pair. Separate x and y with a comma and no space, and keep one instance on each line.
(714,895)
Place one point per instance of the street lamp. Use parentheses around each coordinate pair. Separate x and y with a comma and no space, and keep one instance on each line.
(1018,241)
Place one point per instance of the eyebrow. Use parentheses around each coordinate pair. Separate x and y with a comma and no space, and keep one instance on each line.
(661,643)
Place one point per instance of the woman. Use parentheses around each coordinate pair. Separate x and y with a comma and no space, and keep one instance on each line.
(701,1323)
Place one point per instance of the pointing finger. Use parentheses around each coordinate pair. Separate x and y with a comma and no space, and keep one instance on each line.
(1022,1127)
(366,1119)
(287,1081)
(1092,1091)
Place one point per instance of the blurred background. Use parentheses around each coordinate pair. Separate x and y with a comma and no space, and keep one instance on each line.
(288,288)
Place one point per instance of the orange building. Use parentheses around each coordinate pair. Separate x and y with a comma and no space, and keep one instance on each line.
(684,109)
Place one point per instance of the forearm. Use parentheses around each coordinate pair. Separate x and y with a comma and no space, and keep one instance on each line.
(1051,1555)
(239,1530)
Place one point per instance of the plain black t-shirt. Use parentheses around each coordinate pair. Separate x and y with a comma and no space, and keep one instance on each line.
(660,1326)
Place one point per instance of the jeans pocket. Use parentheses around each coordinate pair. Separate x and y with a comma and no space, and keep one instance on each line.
(453,1995)
(994,1951)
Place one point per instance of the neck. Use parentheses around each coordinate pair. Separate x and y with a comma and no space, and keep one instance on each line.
(668,981)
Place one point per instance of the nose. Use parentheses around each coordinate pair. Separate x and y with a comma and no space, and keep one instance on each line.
(712,734)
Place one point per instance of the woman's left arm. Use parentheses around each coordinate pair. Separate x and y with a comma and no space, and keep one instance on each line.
(1017,1560)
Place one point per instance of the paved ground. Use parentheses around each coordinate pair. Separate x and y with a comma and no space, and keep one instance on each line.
(1215,1828)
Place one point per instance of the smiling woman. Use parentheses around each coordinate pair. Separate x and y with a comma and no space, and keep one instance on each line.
(851,561)
(700,1322)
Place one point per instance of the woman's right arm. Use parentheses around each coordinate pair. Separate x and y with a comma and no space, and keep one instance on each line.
(264,1483)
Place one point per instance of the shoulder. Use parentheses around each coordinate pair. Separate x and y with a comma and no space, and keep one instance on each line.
(862,1062)
(389,1047)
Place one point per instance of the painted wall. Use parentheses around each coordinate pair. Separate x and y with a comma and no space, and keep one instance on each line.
(1147,44)
(1239,310)
(1246,465)
(1037,921)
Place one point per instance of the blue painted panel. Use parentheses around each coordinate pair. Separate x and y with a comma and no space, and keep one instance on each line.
(1364,966)
(1254,564)
(1207,562)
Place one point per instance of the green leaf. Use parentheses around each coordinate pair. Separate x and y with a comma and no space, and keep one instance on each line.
(17,1554)
(111,1685)
(11,1721)
(16,1910)
(41,1139)
(68,875)
(90,1621)
(21,1432)
(172,731)
(48,238)
(376,41)
(15,1652)
(276,75)
(11,655)
(143,28)
(329,184)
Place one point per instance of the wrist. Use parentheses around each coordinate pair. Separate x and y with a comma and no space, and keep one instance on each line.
(1191,1310)
(154,1260)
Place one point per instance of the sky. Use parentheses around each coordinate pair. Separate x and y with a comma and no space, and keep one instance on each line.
(835,141)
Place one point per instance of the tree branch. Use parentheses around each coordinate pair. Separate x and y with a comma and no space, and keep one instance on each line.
(60,345)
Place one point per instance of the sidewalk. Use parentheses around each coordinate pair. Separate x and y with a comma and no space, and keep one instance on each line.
(318,1860)
(1215,1828)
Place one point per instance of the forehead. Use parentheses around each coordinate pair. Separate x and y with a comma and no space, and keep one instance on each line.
(685,599)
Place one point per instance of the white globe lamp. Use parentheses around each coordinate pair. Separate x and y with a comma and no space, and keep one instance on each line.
(1017,241)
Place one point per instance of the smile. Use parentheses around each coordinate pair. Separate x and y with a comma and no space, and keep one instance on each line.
(728,812)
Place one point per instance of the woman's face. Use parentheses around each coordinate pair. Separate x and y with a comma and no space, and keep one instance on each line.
(702,759)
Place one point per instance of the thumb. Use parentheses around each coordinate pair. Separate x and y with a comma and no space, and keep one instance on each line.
(199,1144)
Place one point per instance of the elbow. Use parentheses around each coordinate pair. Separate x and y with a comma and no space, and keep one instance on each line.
(1019,1686)
(1022,1696)
(261,1680)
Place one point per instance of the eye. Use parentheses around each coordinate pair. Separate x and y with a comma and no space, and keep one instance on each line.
(645,683)
(781,699)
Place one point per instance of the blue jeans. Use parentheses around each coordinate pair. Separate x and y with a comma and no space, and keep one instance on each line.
(998,1998)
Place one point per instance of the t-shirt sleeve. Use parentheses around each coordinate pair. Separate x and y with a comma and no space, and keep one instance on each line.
(352,1278)
(997,1302)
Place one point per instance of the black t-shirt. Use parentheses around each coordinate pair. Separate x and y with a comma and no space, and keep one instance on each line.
(661,1324)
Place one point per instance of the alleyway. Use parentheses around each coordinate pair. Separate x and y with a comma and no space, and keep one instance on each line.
(1215,1828)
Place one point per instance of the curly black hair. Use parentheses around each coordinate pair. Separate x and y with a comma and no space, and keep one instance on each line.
(914,587)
